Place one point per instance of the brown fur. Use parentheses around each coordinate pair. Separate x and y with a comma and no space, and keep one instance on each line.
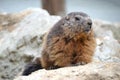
(69,44)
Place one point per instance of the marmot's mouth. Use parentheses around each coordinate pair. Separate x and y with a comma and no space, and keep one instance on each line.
(87,30)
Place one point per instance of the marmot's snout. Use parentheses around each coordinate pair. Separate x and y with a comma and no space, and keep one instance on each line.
(88,25)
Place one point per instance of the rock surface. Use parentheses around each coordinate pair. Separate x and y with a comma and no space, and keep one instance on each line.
(100,28)
(21,37)
(107,37)
(21,44)
(92,71)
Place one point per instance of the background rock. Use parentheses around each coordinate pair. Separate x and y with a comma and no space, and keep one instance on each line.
(107,37)
(21,40)
(101,27)
(21,44)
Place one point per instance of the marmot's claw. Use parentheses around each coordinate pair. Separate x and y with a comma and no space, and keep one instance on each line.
(53,67)
(80,63)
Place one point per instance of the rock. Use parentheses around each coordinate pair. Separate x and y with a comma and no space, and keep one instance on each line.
(20,45)
(8,20)
(92,71)
(108,48)
(100,27)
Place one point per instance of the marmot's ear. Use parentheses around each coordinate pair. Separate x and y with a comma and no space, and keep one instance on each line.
(31,67)
(67,17)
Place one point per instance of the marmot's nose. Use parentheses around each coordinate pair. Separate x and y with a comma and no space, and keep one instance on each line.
(89,24)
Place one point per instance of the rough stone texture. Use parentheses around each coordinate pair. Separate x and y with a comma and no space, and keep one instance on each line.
(21,37)
(100,28)
(92,71)
(21,44)
(108,48)
(8,20)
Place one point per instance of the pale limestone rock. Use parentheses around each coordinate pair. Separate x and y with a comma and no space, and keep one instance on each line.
(20,45)
(108,48)
(100,27)
(92,71)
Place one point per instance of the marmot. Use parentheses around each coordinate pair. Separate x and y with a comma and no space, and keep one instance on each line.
(69,42)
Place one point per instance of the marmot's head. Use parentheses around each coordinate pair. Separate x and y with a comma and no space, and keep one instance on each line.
(77,23)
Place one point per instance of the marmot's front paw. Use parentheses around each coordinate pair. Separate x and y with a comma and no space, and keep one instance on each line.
(53,67)
(80,63)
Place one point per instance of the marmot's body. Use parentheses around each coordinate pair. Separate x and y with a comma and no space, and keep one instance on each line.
(69,42)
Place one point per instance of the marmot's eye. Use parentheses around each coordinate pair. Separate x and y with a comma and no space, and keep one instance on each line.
(77,18)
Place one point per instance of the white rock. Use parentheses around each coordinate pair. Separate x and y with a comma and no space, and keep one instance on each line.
(19,46)
(92,71)
(108,48)
(33,25)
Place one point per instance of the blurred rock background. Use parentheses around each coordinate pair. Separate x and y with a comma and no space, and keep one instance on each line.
(22,31)
(107,10)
